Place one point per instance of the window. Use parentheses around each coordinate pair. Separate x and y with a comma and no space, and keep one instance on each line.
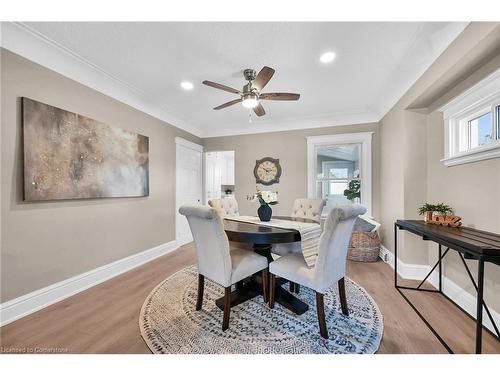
(472,123)
(337,166)
(339,169)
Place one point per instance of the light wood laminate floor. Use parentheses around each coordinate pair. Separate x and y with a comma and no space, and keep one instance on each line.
(104,319)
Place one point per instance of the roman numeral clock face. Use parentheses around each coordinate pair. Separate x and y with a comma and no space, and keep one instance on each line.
(267,171)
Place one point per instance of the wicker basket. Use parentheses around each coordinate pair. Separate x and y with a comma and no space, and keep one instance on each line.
(364,247)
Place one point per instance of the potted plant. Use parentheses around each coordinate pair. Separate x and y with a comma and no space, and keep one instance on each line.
(266,199)
(443,209)
(427,210)
(353,191)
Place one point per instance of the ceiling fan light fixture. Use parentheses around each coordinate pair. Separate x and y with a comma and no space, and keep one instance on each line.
(251,94)
(250,101)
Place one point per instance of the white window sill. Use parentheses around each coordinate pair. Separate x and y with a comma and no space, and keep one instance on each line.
(481,153)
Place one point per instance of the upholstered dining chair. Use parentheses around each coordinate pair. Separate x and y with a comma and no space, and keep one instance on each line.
(308,208)
(216,261)
(303,208)
(330,266)
(226,207)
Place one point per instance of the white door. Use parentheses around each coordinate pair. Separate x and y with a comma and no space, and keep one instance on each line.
(188,172)
(227,166)
(213,175)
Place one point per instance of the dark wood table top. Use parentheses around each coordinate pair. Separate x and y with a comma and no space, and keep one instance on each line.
(473,240)
(261,234)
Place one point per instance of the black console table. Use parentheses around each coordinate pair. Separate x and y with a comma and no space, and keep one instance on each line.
(469,243)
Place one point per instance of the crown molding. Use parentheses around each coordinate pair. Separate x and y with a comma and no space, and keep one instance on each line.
(21,39)
(334,119)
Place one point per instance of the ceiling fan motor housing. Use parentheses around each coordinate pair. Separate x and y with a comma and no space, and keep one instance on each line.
(250,95)
(249,74)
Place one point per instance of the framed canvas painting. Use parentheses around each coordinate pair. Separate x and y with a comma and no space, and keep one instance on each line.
(69,156)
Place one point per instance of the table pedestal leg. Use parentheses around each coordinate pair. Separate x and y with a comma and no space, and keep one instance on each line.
(252,287)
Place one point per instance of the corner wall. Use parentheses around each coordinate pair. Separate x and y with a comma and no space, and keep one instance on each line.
(290,147)
(414,129)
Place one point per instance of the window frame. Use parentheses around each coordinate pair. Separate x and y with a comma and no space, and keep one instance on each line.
(482,98)
(365,167)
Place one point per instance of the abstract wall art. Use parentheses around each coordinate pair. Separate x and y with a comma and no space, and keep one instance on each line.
(69,156)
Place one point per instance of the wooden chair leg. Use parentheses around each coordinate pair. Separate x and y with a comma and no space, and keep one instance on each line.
(343,299)
(201,286)
(265,285)
(227,308)
(320,307)
(272,282)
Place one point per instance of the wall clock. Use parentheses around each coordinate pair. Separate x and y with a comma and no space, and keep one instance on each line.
(267,171)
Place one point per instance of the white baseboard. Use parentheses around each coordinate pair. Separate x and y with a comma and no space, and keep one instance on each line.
(184,240)
(39,299)
(460,296)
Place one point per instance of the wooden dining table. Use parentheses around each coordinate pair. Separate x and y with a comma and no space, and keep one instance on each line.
(262,237)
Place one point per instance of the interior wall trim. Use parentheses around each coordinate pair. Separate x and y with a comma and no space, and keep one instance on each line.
(41,298)
(461,297)
(20,38)
(365,139)
(23,40)
(300,123)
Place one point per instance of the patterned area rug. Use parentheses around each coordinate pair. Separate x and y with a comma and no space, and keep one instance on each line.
(170,324)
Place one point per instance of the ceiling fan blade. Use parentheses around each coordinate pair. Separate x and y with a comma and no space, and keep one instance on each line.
(259,110)
(228,104)
(264,76)
(221,87)
(279,96)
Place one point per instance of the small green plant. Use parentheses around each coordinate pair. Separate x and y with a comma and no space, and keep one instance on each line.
(443,209)
(427,207)
(353,190)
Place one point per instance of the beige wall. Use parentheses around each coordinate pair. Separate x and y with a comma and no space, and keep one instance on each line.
(403,179)
(412,145)
(291,149)
(473,191)
(43,243)
(391,175)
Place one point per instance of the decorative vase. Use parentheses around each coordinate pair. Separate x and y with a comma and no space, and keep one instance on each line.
(265,212)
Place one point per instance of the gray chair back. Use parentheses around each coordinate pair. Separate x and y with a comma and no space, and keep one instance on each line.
(226,207)
(334,245)
(306,208)
(212,245)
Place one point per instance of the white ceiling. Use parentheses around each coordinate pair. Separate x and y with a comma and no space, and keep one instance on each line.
(343,152)
(376,63)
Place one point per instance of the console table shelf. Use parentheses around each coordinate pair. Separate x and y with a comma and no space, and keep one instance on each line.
(469,243)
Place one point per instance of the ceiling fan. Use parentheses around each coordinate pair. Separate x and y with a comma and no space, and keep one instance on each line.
(251,94)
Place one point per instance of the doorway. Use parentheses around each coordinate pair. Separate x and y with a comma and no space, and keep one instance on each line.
(339,169)
(188,184)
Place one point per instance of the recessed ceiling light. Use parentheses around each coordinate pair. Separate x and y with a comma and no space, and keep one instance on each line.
(327,57)
(187,85)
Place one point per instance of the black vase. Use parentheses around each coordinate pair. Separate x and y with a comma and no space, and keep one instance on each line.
(265,212)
